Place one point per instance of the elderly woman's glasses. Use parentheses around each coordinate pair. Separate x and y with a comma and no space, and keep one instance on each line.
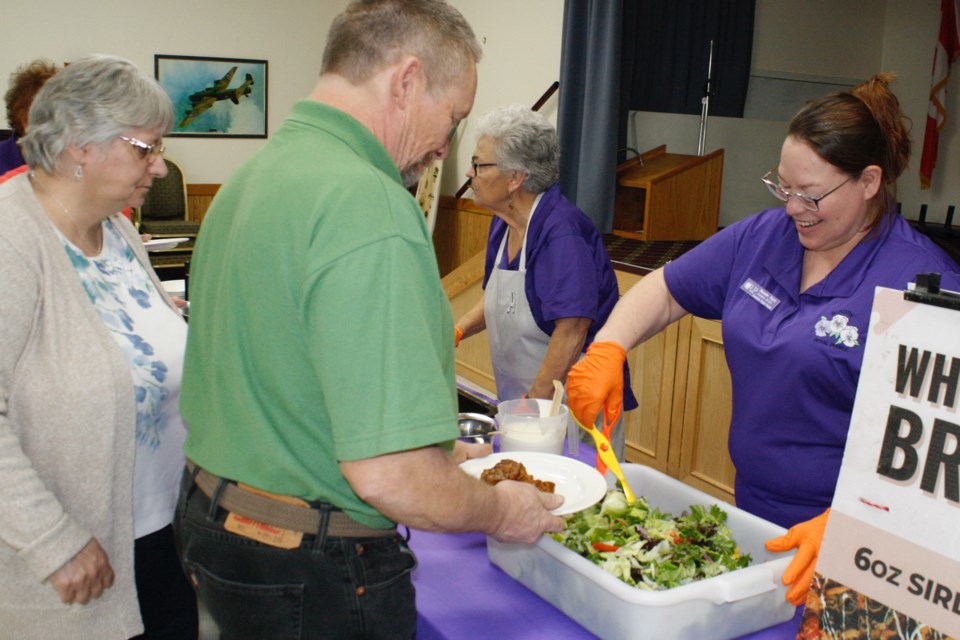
(143,148)
(807,202)
(479,165)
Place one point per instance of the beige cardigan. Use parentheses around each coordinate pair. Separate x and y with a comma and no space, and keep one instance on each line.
(67,428)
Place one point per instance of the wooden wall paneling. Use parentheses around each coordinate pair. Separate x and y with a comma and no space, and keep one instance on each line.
(652,370)
(463,287)
(460,232)
(199,197)
(678,400)
(704,453)
(648,428)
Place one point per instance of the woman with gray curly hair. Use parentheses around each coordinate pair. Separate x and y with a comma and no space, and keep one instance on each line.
(548,282)
(91,351)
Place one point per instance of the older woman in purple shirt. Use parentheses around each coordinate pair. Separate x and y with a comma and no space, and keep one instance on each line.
(548,282)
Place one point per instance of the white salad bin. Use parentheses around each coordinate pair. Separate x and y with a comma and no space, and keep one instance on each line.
(726,606)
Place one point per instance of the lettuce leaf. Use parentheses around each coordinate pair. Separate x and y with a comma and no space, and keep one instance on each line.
(651,549)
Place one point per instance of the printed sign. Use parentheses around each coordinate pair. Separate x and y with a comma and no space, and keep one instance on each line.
(889,566)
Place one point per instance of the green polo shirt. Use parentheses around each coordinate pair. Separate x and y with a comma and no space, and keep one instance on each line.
(319,330)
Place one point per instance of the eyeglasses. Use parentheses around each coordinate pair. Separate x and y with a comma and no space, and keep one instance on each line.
(807,202)
(479,165)
(143,148)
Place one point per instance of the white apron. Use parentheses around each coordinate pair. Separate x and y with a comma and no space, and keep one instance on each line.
(517,345)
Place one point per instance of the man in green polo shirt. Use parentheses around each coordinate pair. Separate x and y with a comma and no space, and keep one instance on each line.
(319,380)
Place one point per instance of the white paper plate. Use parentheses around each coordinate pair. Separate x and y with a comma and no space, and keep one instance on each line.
(580,485)
(163,243)
(175,287)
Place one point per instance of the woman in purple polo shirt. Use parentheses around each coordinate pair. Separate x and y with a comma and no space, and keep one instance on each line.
(794,287)
(548,283)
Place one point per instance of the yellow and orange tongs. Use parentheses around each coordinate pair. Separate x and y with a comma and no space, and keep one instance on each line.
(605,455)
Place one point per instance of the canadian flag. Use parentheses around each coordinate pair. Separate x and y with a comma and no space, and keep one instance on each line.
(946,51)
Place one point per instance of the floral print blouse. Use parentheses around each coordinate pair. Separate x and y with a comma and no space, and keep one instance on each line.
(152,337)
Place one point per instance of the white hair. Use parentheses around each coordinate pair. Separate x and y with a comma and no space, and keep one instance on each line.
(523,140)
(91,101)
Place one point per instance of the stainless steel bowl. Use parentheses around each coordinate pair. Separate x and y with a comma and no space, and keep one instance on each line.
(476,427)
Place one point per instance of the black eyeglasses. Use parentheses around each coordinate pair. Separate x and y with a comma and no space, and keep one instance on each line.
(807,202)
(143,148)
(479,165)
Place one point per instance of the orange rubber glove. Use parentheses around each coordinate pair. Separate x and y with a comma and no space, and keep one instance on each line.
(457,336)
(806,537)
(595,380)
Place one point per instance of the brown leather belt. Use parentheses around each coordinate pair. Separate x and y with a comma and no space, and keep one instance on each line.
(279,514)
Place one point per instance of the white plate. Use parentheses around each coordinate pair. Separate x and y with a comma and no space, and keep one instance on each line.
(580,485)
(163,243)
(175,287)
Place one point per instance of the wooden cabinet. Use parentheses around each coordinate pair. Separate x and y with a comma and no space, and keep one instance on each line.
(683,387)
(652,378)
(679,377)
(460,233)
(199,197)
(463,287)
(668,196)
(706,397)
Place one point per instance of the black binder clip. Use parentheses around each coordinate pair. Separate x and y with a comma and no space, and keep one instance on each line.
(927,291)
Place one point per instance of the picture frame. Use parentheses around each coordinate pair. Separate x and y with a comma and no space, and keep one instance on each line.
(214,97)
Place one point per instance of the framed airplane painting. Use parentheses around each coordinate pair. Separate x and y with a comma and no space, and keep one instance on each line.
(215,97)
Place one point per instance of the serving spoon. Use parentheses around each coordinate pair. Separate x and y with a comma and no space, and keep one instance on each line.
(606,454)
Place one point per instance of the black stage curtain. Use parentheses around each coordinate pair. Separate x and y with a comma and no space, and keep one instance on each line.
(666,49)
(640,55)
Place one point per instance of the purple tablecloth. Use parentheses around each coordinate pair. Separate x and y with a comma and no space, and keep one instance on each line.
(461,594)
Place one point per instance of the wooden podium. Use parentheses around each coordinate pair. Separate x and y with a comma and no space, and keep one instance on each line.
(668,196)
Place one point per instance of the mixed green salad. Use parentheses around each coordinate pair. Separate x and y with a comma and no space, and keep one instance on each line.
(650,549)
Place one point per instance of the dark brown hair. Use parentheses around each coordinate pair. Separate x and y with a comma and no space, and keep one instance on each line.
(25,82)
(855,129)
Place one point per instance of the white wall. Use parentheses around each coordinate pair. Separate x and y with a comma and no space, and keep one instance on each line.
(521,41)
(910,32)
(521,59)
(519,63)
(289,34)
(820,37)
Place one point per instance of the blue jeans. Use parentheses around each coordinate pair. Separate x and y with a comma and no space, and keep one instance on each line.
(327,588)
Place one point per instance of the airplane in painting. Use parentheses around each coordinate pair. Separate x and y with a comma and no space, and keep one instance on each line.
(201,101)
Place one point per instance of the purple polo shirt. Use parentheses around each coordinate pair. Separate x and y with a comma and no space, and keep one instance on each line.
(10,157)
(569,274)
(794,358)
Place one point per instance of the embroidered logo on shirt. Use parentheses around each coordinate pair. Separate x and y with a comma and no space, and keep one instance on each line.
(760,294)
(838,327)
